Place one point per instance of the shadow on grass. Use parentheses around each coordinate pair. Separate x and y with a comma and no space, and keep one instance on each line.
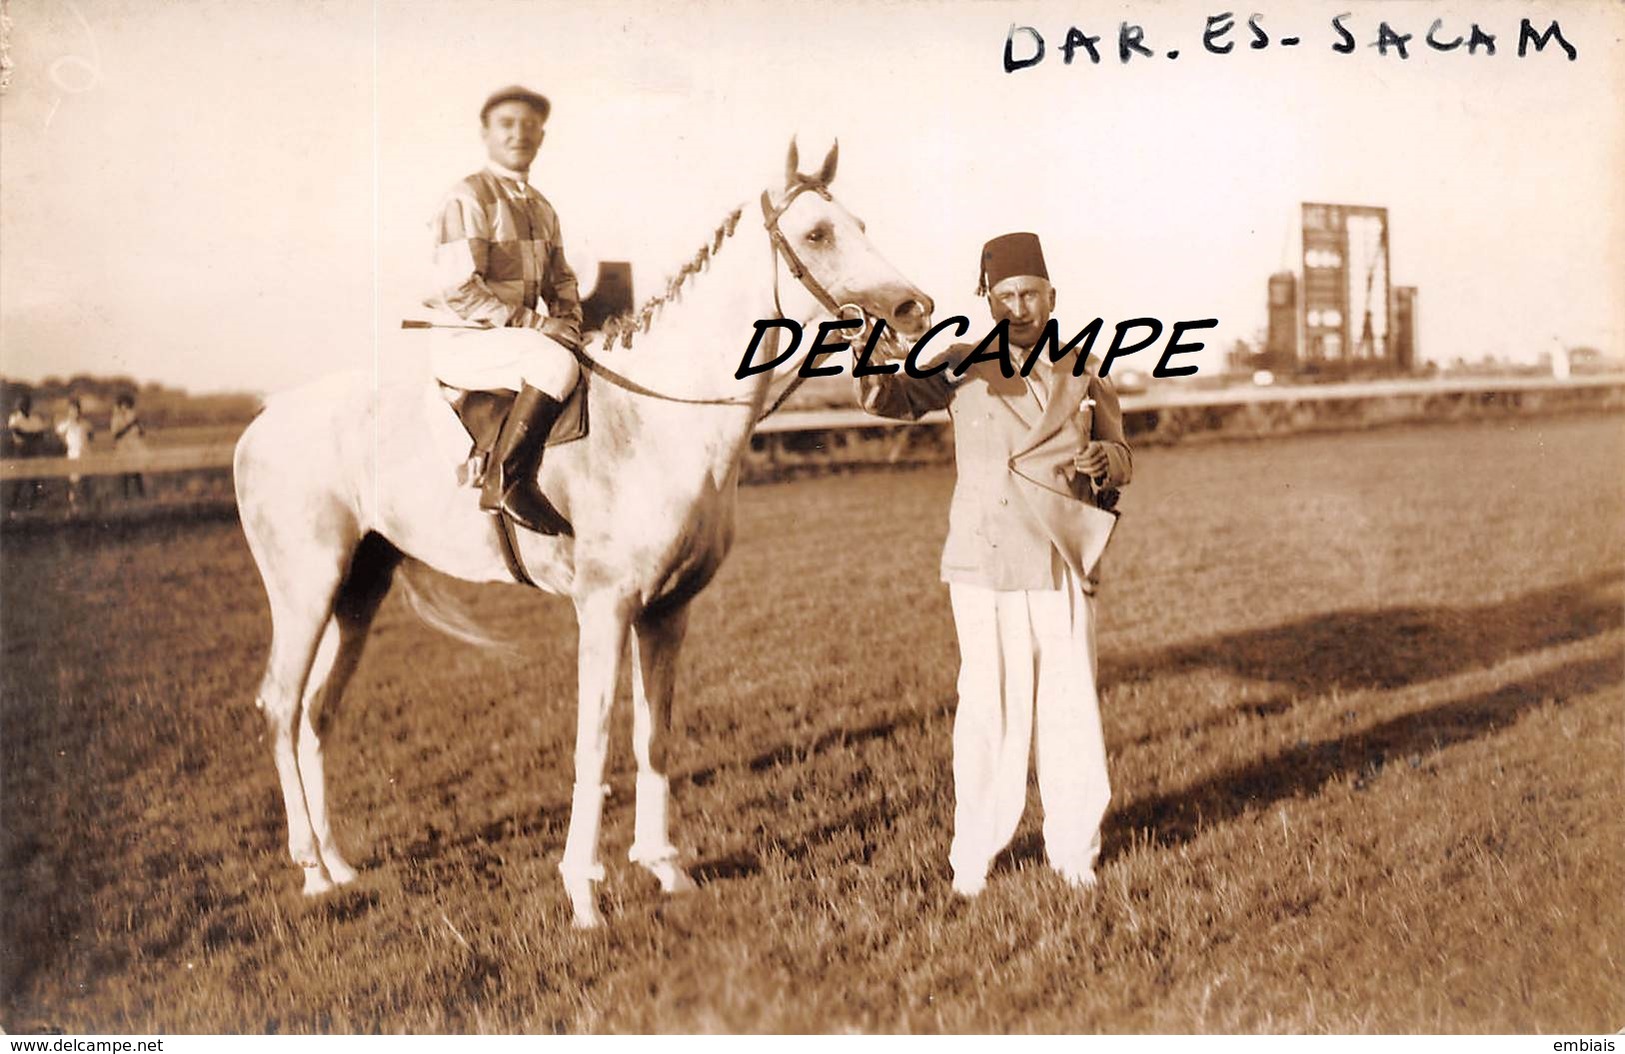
(1172,819)
(1385,648)
(798,846)
(835,738)
(438,852)
(1392,647)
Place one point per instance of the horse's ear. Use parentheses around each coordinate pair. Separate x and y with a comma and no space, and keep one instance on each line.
(826,174)
(790,164)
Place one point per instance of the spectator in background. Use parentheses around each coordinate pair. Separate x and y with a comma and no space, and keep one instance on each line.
(75,432)
(27,431)
(129,437)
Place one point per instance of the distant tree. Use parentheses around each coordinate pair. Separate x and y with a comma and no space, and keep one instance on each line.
(11,391)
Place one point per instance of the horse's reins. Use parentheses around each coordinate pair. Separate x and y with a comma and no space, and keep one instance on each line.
(507,542)
(798,271)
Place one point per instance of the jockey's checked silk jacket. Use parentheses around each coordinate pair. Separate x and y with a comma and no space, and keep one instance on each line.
(499,257)
(1019,513)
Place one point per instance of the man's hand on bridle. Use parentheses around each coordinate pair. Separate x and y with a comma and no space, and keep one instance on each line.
(1092,461)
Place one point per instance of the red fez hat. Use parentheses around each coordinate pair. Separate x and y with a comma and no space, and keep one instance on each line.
(1009,255)
(515,92)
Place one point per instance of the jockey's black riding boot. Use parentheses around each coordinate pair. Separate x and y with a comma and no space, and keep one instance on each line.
(510,482)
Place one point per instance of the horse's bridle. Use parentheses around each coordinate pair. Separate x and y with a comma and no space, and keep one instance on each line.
(792,262)
(798,270)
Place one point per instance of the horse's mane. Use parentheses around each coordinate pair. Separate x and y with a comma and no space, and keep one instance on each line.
(623,327)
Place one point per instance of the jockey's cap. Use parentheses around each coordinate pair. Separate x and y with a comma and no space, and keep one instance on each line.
(522,94)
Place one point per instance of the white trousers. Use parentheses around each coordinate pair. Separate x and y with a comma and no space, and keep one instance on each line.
(488,359)
(1027,665)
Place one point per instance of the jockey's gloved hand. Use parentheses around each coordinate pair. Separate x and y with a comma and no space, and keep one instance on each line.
(563,330)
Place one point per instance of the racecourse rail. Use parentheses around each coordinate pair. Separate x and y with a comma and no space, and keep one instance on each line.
(197,479)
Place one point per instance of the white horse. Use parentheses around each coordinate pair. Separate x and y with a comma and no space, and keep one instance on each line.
(340,481)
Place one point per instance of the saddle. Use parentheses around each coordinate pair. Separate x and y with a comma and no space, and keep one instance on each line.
(482,414)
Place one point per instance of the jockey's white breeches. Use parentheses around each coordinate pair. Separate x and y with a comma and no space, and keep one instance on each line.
(487,359)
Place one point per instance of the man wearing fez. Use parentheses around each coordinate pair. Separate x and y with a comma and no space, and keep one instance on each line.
(1038,459)
(508,302)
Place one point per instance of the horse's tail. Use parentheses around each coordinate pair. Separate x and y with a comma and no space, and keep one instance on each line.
(432,602)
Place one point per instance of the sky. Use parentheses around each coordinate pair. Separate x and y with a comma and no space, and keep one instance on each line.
(236,195)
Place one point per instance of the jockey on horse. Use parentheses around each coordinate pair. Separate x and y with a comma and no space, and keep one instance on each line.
(345,481)
(498,263)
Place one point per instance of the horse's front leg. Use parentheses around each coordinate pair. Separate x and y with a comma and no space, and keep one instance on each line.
(655,647)
(603,623)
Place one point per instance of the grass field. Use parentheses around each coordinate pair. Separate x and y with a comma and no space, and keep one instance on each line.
(1362,699)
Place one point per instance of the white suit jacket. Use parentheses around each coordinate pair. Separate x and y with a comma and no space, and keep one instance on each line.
(1017,502)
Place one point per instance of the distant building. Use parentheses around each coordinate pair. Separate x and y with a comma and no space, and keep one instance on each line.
(1241,358)
(1353,320)
(1281,339)
(1584,359)
(1560,363)
(1403,338)
(1345,275)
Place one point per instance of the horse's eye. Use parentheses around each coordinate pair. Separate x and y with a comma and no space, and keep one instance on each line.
(817,236)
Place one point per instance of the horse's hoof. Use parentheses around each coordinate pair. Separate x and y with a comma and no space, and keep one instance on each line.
(672,878)
(584,905)
(341,873)
(316,882)
(578,883)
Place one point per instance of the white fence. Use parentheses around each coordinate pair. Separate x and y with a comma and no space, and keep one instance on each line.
(813,440)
